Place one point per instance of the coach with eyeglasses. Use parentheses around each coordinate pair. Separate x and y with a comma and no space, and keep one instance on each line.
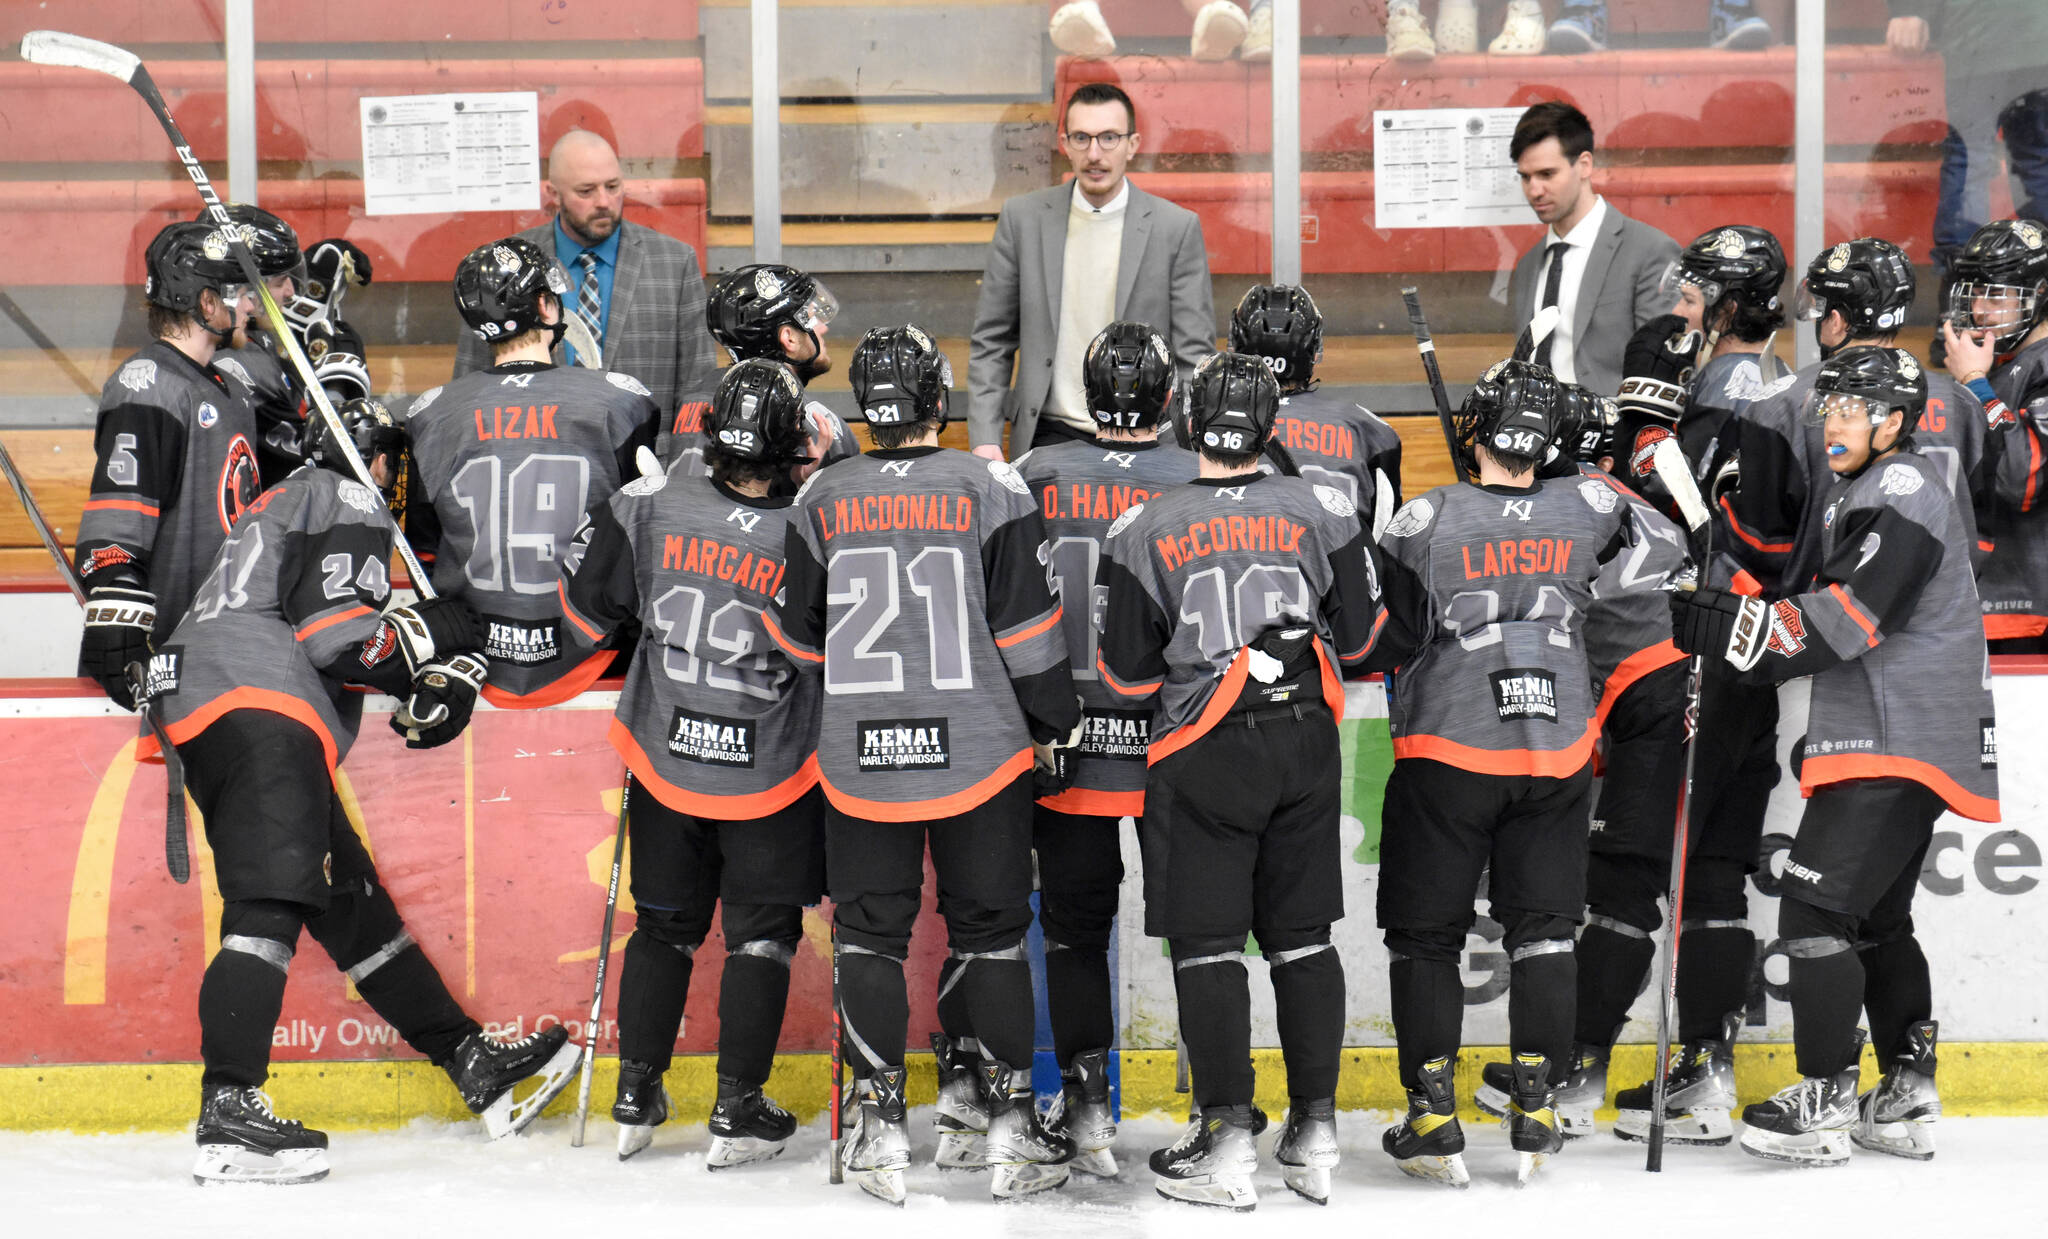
(1065,263)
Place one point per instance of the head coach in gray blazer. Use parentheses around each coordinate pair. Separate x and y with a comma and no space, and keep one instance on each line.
(654,314)
(1046,289)
(1603,270)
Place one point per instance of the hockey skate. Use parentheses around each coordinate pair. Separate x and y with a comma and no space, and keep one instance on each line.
(961,1115)
(485,1071)
(1898,1116)
(877,1152)
(1428,1143)
(1081,1114)
(1577,1098)
(1307,1151)
(746,1126)
(1021,1155)
(641,1106)
(241,1140)
(1532,1121)
(1699,1094)
(1807,1124)
(1212,1162)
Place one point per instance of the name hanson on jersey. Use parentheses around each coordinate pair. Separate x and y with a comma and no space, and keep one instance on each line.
(1088,501)
(1229,533)
(879,513)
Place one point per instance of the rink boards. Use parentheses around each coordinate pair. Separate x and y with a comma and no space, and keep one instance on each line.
(497,850)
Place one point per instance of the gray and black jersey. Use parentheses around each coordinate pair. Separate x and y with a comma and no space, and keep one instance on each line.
(506,461)
(1706,433)
(276,399)
(2013,580)
(715,721)
(1889,633)
(1082,488)
(1628,624)
(1343,445)
(918,587)
(289,612)
(175,465)
(1195,584)
(1488,590)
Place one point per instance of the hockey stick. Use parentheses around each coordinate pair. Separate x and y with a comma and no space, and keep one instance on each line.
(1669,462)
(42,527)
(604,955)
(54,47)
(836,1174)
(1412,298)
(176,856)
(577,332)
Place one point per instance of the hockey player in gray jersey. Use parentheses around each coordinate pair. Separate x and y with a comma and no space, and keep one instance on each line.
(720,732)
(1493,720)
(1230,604)
(1995,334)
(506,461)
(776,313)
(917,586)
(175,458)
(1335,442)
(1901,728)
(1083,486)
(251,690)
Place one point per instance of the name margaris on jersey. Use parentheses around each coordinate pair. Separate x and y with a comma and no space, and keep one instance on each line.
(722,561)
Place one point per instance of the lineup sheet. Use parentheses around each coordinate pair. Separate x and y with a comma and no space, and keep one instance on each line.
(434,154)
(1445,168)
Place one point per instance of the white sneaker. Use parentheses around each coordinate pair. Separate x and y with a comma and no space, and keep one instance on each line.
(1408,36)
(1521,32)
(1219,29)
(1079,30)
(1457,28)
(1258,36)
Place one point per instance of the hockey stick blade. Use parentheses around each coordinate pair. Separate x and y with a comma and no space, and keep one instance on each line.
(1540,326)
(577,332)
(72,51)
(1668,459)
(177,856)
(604,956)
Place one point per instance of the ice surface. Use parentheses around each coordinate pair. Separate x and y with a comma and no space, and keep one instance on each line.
(436,1180)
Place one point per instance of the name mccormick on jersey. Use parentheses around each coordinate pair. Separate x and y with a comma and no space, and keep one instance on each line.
(1221,535)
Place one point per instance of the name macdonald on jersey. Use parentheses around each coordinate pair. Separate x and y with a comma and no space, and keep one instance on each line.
(879,513)
(1522,557)
(755,573)
(1229,533)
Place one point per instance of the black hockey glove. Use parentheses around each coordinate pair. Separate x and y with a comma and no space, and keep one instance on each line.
(334,260)
(435,630)
(1656,366)
(118,622)
(1715,623)
(1052,763)
(326,336)
(443,696)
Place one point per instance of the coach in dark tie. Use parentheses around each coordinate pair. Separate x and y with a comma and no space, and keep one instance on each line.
(1601,269)
(640,292)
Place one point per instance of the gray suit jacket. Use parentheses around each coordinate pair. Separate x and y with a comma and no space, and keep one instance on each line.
(654,329)
(1618,294)
(1162,279)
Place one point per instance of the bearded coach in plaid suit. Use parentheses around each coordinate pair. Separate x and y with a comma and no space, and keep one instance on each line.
(639,291)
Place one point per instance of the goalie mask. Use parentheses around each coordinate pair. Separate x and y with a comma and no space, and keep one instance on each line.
(1868,281)
(1280,323)
(2001,281)
(1232,401)
(373,431)
(749,307)
(1867,384)
(900,378)
(1513,411)
(757,414)
(183,261)
(499,290)
(1128,377)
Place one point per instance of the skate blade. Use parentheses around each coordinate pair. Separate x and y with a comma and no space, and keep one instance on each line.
(1815,1148)
(1212,1191)
(633,1139)
(1010,1181)
(1098,1162)
(510,1113)
(1311,1183)
(1526,1166)
(884,1185)
(1448,1170)
(1706,1128)
(962,1150)
(729,1151)
(232,1163)
(1914,1141)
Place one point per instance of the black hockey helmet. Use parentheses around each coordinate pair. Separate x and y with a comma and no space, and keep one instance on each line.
(1280,323)
(1868,281)
(1128,377)
(2004,265)
(900,377)
(757,414)
(186,259)
(499,286)
(1232,401)
(1738,261)
(373,431)
(270,239)
(1870,380)
(1514,410)
(1585,430)
(751,304)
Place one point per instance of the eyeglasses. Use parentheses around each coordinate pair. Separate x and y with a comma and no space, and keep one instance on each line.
(1108,140)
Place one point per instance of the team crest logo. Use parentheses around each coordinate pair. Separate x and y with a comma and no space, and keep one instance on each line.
(1729,244)
(207,415)
(1006,474)
(626,382)
(766,284)
(1909,367)
(507,257)
(1899,479)
(1334,502)
(229,366)
(1412,519)
(1838,258)
(2030,234)
(641,487)
(357,496)
(239,486)
(1123,522)
(215,246)
(1598,497)
(137,375)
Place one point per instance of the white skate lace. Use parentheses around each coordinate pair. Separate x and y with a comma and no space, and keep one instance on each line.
(259,1099)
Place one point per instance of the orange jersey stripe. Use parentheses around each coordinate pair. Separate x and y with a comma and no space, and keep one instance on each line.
(562,592)
(1143,689)
(1728,509)
(714,808)
(775,634)
(1084,802)
(1219,705)
(582,676)
(1855,610)
(120,505)
(339,617)
(1817,772)
(928,810)
(2002,627)
(1635,667)
(1551,764)
(244,698)
(1028,633)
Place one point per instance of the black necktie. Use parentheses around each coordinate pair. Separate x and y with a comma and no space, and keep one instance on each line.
(1551,281)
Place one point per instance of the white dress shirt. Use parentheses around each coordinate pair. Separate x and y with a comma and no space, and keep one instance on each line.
(1581,239)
